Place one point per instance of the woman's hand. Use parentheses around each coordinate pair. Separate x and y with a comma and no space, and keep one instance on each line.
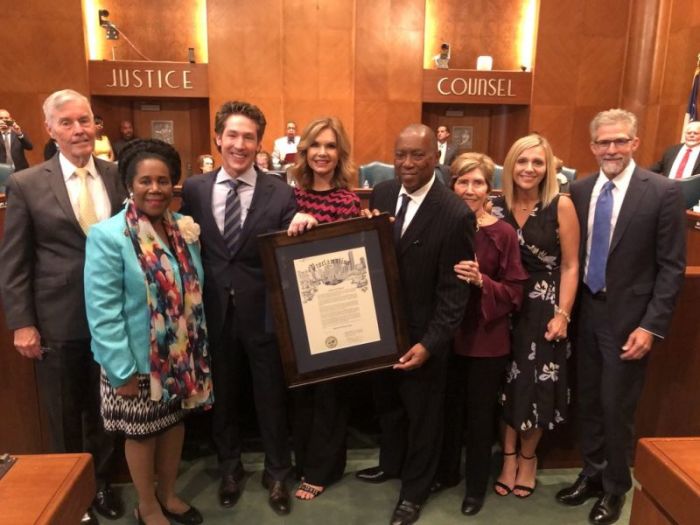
(556,328)
(301,223)
(469,271)
(130,388)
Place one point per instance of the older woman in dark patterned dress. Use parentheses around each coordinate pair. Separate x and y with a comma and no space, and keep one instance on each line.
(323,172)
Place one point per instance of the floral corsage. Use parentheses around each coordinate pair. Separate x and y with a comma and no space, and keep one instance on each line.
(188,229)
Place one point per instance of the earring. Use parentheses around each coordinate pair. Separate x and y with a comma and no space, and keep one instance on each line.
(131,194)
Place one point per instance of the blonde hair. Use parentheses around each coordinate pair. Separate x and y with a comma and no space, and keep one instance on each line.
(549,188)
(344,171)
(467,162)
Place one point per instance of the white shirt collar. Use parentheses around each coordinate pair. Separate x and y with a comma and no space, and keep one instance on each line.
(249,177)
(418,195)
(68,168)
(621,181)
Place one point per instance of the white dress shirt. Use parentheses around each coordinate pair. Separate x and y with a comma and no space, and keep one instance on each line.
(415,200)
(622,182)
(96,187)
(688,170)
(246,188)
(282,148)
(442,148)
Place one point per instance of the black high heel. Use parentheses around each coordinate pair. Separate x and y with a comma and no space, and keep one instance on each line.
(527,490)
(498,484)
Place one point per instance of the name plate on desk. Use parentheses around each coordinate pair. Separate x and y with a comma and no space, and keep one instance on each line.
(138,79)
(477,87)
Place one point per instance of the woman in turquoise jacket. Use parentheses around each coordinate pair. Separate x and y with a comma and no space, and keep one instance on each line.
(143,290)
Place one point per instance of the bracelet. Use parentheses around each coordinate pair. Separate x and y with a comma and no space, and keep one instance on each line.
(564,313)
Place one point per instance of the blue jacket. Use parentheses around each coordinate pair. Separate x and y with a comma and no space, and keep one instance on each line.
(115,297)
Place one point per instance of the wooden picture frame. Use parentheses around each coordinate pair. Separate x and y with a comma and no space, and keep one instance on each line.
(335,295)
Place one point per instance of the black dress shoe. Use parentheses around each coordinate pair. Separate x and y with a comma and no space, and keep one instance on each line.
(190,517)
(107,504)
(89,518)
(405,513)
(583,489)
(607,509)
(439,486)
(372,475)
(230,488)
(279,495)
(471,505)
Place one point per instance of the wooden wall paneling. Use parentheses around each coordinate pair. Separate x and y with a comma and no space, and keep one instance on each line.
(508,124)
(160,29)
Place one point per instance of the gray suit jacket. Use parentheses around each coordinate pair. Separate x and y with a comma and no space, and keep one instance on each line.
(17,147)
(43,251)
(646,262)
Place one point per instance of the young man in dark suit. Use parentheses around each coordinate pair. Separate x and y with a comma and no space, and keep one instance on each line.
(633,264)
(50,207)
(234,205)
(14,142)
(433,230)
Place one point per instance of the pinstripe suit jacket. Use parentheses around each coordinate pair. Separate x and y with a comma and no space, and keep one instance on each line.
(440,234)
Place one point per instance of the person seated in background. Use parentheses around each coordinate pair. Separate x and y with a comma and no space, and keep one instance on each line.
(285,149)
(50,149)
(126,133)
(103,148)
(323,172)
(143,291)
(561,178)
(205,163)
(263,160)
(682,160)
(482,342)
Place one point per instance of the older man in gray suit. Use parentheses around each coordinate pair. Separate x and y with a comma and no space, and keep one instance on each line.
(50,207)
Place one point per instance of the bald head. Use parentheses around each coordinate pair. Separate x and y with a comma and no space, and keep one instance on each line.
(415,156)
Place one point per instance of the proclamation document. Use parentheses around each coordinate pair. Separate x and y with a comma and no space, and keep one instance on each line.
(337,300)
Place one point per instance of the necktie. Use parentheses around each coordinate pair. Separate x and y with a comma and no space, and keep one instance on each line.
(86,206)
(232,216)
(600,242)
(681,166)
(399,219)
(7,142)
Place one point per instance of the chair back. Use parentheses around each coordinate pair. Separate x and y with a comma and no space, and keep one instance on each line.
(569,173)
(374,173)
(5,172)
(690,187)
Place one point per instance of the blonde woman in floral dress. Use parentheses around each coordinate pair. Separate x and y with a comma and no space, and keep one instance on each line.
(536,394)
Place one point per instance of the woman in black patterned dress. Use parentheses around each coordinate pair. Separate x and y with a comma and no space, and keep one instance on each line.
(536,393)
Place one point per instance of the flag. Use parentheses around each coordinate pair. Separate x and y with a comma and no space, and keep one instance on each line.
(691,112)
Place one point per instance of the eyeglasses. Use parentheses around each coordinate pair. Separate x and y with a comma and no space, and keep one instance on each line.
(605,144)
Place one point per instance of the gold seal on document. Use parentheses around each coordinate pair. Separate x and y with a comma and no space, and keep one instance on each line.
(331,342)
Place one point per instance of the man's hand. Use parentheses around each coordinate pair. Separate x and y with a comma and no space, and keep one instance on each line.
(637,345)
(416,356)
(28,342)
(130,388)
(17,129)
(301,223)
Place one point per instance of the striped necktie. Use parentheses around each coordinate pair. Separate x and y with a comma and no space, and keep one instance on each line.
(87,216)
(400,219)
(232,216)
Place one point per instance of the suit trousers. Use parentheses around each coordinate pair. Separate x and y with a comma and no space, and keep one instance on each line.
(69,390)
(471,401)
(410,408)
(320,426)
(269,392)
(608,392)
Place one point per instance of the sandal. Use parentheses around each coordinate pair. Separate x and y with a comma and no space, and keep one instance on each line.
(501,485)
(305,488)
(527,490)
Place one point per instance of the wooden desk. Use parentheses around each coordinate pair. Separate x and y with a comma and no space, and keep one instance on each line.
(53,489)
(668,470)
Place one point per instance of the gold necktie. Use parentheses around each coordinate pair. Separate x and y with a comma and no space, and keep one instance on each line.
(86,207)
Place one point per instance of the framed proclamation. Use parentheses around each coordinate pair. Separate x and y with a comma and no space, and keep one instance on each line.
(335,296)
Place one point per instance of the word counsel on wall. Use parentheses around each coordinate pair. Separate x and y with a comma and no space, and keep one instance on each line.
(162,79)
(477,87)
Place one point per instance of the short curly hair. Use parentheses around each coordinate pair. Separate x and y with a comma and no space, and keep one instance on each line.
(236,107)
(140,149)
